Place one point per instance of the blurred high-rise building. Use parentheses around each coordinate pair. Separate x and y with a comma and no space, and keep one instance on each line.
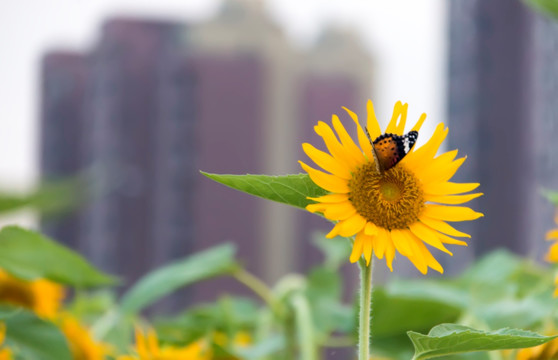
(503,82)
(160,101)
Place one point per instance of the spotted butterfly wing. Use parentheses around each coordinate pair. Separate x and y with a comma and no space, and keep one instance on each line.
(389,149)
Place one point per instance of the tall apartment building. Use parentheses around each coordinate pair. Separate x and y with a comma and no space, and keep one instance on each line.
(164,100)
(503,114)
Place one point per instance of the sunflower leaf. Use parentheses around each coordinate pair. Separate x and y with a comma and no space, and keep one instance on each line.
(447,339)
(29,255)
(549,7)
(34,338)
(288,189)
(551,196)
(163,281)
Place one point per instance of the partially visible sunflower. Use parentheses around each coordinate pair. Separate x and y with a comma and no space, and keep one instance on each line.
(41,296)
(547,351)
(5,354)
(148,348)
(81,344)
(402,208)
(552,255)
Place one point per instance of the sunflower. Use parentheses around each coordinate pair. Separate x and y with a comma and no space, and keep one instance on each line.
(147,348)
(552,255)
(399,209)
(41,296)
(5,354)
(81,344)
(545,351)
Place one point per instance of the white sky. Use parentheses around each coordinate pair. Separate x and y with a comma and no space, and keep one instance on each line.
(405,37)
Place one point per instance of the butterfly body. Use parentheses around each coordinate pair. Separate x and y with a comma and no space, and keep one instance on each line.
(389,149)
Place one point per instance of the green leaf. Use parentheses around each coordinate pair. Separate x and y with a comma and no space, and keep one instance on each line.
(289,189)
(34,338)
(163,281)
(447,339)
(396,313)
(336,251)
(49,199)
(29,255)
(549,7)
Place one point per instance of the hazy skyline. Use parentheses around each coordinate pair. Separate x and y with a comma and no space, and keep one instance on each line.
(405,39)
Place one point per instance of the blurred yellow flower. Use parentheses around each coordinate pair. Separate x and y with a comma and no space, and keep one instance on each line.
(5,354)
(41,296)
(81,344)
(241,339)
(546,351)
(552,255)
(388,194)
(148,348)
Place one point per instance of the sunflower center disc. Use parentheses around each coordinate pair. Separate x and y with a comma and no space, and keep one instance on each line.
(16,294)
(392,200)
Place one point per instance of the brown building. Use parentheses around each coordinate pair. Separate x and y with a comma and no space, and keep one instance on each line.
(164,100)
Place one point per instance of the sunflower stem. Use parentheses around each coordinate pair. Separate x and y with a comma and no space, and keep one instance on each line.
(365,307)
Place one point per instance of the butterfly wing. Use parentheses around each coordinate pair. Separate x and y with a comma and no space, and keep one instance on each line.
(389,149)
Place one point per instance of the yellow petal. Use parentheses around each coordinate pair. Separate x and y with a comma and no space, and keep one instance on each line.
(442,173)
(401,242)
(347,141)
(552,234)
(372,122)
(380,242)
(2,332)
(314,208)
(152,342)
(449,240)
(452,199)
(428,235)
(335,231)
(370,229)
(393,126)
(416,256)
(357,248)
(400,130)
(331,198)
(419,123)
(426,255)
(352,225)
(326,181)
(362,138)
(450,213)
(340,211)
(448,188)
(415,160)
(333,145)
(390,251)
(552,255)
(442,227)
(327,162)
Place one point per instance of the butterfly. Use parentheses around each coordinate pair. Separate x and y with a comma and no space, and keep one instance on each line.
(389,149)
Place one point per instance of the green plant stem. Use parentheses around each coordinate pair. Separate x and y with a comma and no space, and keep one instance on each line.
(257,286)
(305,327)
(365,306)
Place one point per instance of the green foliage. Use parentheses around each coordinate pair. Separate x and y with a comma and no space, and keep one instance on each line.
(29,255)
(449,339)
(50,198)
(550,195)
(548,7)
(163,281)
(34,338)
(289,189)
(336,251)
